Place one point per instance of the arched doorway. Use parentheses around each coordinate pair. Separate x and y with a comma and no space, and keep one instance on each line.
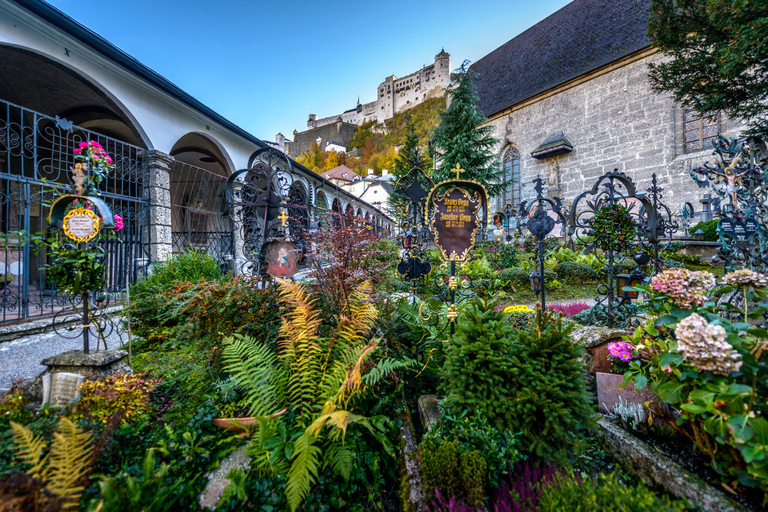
(46,110)
(198,181)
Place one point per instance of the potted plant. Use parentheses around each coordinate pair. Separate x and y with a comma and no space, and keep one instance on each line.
(610,392)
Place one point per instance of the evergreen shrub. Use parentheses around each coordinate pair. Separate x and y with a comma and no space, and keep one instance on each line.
(709,228)
(445,468)
(547,396)
(518,277)
(606,494)
(571,271)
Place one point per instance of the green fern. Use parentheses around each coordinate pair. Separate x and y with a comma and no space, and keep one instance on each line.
(384,368)
(254,367)
(339,458)
(303,472)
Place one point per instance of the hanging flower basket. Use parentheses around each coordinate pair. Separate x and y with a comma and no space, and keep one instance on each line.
(613,227)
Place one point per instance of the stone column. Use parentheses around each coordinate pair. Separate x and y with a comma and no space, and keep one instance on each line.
(158,191)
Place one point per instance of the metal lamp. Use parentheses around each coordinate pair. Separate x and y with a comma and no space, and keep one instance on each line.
(699,234)
(629,280)
(536,283)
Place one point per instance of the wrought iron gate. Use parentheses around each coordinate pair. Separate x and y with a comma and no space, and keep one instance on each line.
(196,219)
(35,157)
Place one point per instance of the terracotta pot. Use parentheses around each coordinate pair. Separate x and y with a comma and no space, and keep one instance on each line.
(234,424)
(609,390)
(238,425)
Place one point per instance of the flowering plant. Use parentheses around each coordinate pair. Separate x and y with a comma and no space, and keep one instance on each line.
(92,156)
(518,309)
(620,353)
(704,359)
(613,227)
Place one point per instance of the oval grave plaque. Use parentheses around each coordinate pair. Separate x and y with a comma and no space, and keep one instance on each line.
(81,225)
(454,222)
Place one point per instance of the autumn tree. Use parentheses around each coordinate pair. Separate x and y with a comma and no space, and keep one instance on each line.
(462,139)
(332,161)
(719,56)
(313,158)
(411,153)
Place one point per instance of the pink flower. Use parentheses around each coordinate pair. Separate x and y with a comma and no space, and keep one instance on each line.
(77,151)
(83,144)
(118,222)
(108,159)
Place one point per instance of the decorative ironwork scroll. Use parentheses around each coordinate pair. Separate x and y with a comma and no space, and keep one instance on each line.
(265,205)
(610,189)
(414,264)
(540,225)
(664,227)
(454,206)
(739,179)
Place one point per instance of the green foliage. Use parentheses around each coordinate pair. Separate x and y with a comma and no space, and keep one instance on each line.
(607,494)
(572,271)
(717,393)
(411,154)
(154,490)
(546,396)
(76,271)
(314,379)
(520,278)
(463,138)
(446,467)
(476,368)
(146,310)
(717,56)
(709,228)
(474,433)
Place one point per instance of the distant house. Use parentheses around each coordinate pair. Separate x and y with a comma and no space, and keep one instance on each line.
(373,189)
(335,146)
(340,175)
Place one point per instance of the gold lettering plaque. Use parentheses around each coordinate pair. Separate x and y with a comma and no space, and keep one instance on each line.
(81,225)
(455,222)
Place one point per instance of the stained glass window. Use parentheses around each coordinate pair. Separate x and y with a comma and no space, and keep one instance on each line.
(699,130)
(511,164)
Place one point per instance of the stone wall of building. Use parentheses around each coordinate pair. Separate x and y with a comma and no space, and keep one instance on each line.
(338,131)
(614,121)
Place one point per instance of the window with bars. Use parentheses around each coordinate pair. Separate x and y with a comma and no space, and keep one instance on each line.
(511,164)
(699,130)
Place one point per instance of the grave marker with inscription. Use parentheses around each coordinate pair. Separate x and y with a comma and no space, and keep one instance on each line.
(454,222)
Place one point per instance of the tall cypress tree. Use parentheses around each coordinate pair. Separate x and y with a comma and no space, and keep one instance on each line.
(462,139)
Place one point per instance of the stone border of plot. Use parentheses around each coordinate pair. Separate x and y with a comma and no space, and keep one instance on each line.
(660,471)
(13,332)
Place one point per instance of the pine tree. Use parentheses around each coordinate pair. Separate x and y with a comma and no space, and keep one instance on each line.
(461,137)
(410,154)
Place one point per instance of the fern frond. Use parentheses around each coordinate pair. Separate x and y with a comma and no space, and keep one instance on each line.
(69,463)
(384,368)
(300,348)
(340,459)
(358,318)
(254,367)
(29,448)
(304,468)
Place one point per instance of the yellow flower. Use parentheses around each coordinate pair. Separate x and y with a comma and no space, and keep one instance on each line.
(518,309)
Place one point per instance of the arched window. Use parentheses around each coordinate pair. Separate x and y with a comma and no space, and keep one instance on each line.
(510,162)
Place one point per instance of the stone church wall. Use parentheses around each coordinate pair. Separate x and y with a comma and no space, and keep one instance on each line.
(614,121)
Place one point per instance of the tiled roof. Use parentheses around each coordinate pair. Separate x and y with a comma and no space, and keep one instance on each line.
(338,173)
(579,38)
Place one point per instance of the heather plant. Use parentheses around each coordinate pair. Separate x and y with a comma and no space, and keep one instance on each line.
(569,310)
(522,490)
(710,369)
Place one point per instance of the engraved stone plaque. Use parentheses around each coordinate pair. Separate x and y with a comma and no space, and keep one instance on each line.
(61,388)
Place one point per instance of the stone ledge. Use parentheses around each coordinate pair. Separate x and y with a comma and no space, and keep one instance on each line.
(80,358)
(661,472)
(429,414)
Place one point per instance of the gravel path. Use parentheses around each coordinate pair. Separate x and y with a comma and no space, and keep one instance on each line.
(21,358)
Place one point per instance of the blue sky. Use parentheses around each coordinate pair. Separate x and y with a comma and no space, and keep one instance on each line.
(260,64)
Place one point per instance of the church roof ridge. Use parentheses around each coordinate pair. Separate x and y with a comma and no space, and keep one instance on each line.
(579,38)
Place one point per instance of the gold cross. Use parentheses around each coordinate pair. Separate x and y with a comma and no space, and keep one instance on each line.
(283,217)
(458,170)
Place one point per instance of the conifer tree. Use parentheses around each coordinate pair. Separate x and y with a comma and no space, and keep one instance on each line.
(462,139)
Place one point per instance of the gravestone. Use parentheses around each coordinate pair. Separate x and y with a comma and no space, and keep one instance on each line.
(61,388)
(455,223)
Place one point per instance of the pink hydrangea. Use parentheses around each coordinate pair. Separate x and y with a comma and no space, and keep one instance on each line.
(684,288)
(118,222)
(704,346)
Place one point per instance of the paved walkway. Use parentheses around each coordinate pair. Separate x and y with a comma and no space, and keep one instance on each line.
(20,359)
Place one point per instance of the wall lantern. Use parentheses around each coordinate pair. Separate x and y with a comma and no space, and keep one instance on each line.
(629,280)
(536,281)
